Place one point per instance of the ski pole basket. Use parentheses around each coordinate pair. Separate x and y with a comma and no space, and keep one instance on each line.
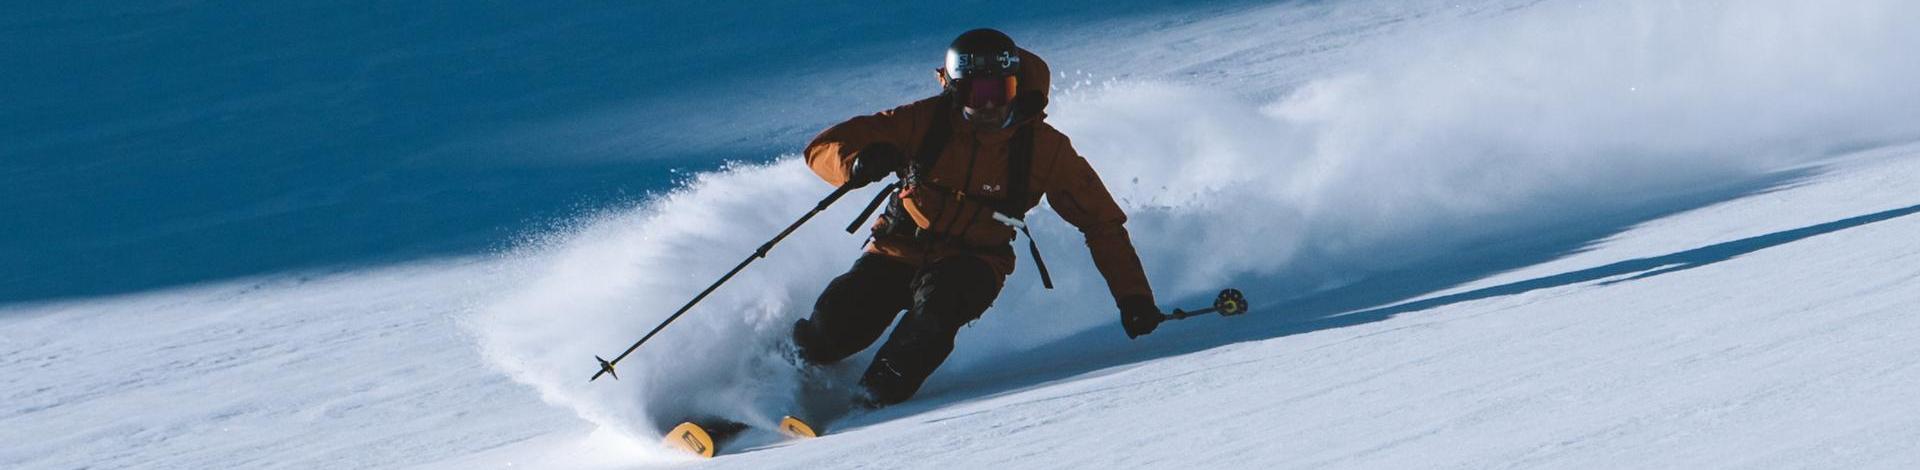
(1229,303)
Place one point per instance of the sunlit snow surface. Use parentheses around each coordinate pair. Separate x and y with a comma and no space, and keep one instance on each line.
(1480,234)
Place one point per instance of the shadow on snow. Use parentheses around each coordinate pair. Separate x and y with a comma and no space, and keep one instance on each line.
(1377,298)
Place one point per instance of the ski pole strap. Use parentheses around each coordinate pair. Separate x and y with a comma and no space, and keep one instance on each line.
(871,206)
(1038,262)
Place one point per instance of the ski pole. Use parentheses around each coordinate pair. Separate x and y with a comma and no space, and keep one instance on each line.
(872,206)
(1230,302)
(606,366)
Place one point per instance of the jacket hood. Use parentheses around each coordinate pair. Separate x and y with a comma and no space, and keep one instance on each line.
(1036,83)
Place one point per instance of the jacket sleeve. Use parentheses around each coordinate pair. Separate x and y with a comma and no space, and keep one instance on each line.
(1079,197)
(831,153)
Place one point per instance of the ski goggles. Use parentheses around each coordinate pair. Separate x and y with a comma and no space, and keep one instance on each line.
(986,92)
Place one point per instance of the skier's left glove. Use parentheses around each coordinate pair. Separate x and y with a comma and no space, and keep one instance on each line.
(1139,315)
(874,163)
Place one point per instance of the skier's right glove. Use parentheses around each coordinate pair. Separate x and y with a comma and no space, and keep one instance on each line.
(875,162)
(1139,315)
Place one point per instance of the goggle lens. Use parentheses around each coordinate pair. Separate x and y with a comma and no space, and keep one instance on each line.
(984,92)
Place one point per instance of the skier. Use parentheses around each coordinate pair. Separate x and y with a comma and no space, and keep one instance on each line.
(972,161)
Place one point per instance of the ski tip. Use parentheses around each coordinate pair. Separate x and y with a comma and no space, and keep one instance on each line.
(795,428)
(691,438)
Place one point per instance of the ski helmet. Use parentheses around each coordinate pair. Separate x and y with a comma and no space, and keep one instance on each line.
(981,68)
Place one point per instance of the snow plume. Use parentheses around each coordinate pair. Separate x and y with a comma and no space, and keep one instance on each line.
(1467,135)
(1462,133)
(594,289)
(1482,128)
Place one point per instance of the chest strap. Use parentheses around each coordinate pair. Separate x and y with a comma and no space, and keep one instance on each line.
(1010,210)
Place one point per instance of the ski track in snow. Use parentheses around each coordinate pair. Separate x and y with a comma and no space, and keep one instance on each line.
(1492,259)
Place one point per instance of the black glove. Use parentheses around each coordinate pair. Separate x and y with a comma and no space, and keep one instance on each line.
(1139,316)
(873,163)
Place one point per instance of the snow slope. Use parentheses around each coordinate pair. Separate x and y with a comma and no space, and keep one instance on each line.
(1772,331)
(1480,234)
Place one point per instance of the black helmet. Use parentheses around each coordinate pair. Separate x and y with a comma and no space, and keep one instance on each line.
(982,53)
(982,68)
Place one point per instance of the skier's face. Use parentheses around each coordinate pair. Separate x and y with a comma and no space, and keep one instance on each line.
(988,98)
(991,114)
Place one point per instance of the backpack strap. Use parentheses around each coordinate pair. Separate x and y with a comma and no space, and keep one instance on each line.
(1019,171)
(939,130)
(1019,174)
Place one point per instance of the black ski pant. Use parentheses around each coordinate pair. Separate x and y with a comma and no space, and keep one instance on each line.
(857,307)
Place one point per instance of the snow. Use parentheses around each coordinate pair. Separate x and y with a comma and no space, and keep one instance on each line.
(1791,348)
(1482,234)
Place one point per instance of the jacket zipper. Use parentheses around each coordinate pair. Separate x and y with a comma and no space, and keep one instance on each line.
(972,158)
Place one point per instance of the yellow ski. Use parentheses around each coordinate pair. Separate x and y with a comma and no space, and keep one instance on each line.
(795,428)
(707,438)
(691,438)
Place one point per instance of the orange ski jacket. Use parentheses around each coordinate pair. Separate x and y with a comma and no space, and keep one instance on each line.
(952,204)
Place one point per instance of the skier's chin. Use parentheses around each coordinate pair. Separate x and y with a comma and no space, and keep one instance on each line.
(985,116)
